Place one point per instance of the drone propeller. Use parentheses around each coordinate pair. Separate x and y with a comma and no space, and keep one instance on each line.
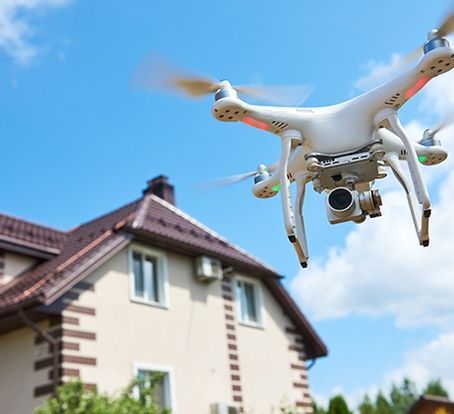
(445,123)
(429,136)
(218,183)
(155,73)
(445,28)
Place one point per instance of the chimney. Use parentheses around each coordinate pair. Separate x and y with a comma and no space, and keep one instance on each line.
(160,186)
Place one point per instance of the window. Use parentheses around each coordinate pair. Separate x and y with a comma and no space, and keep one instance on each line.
(148,277)
(162,378)
(249,302)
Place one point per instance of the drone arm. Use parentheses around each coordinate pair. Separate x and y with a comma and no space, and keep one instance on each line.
(295,231)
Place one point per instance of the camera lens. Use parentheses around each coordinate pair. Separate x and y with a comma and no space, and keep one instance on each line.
(340,199)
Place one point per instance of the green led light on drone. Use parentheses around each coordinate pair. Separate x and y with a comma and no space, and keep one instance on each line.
(423,158)
(276,187)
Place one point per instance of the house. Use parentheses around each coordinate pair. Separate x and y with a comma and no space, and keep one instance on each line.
(430,404)
(148,288)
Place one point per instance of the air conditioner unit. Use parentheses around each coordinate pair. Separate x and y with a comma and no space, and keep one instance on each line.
(208,269)
(220,408)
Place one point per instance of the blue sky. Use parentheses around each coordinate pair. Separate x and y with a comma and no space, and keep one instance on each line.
(78,141)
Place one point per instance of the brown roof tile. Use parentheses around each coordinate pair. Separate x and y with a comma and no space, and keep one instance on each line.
(21,232)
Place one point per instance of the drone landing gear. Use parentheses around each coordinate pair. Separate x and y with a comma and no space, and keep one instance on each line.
(391,121)
(293,218)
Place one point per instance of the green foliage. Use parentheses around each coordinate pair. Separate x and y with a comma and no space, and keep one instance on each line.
(137,398)
(337,405)
(382,405)
(317,409)
(403,397)
(435,388)
(366,406)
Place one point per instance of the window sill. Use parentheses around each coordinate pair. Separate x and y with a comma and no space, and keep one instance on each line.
(252,325)
(147,303)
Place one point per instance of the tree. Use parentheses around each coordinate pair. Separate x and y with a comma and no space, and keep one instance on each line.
(317,409)
(382,405)
(403,397)
(435,388)
(366,407)
(337,405)
(137,398)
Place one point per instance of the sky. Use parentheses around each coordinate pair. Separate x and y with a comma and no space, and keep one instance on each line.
(77,141)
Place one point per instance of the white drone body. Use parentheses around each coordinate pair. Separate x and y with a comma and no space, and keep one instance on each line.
(343,148)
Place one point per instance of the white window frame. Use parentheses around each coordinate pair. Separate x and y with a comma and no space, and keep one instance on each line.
(163,279)
(259,303)
(169,390)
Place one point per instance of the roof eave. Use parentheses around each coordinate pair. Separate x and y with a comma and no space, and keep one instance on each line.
(191,250)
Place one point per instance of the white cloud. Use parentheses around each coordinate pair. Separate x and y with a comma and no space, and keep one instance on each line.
(379,72)
(433,360)
(15,30)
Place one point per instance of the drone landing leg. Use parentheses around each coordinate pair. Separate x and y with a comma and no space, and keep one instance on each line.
(301,246)
(294,232)
(423,230)
(416,175)
(394,163)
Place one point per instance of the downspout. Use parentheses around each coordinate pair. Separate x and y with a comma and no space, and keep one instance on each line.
(53,342)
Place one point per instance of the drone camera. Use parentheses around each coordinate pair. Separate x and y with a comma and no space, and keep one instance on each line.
(343,204)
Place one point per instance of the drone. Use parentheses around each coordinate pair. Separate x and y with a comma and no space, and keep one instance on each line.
(343,148)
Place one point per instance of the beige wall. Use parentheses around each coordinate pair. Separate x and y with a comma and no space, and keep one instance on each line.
(15,264)
(266,361)
(17,377)
(189,337)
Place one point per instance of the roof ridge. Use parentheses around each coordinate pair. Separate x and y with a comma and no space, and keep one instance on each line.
(33,223)
(213,233)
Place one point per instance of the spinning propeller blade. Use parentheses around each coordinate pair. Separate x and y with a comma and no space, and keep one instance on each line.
(221,182)
(445,123)
(446,28)
(155,73)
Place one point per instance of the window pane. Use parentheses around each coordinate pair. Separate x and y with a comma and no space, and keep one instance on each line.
(241,299)
(246,293)
(152,273)
(251,306)
(160,394)
(139,285)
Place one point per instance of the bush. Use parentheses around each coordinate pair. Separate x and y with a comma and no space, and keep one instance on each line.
(139,397)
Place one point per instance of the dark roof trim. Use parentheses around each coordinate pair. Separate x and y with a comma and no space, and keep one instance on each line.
(28,249)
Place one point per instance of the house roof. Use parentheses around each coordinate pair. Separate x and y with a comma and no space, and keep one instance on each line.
(19,234)
(430,404)
(150,218)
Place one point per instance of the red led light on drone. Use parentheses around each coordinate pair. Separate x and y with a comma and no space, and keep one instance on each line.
(416,87)
(256,123)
